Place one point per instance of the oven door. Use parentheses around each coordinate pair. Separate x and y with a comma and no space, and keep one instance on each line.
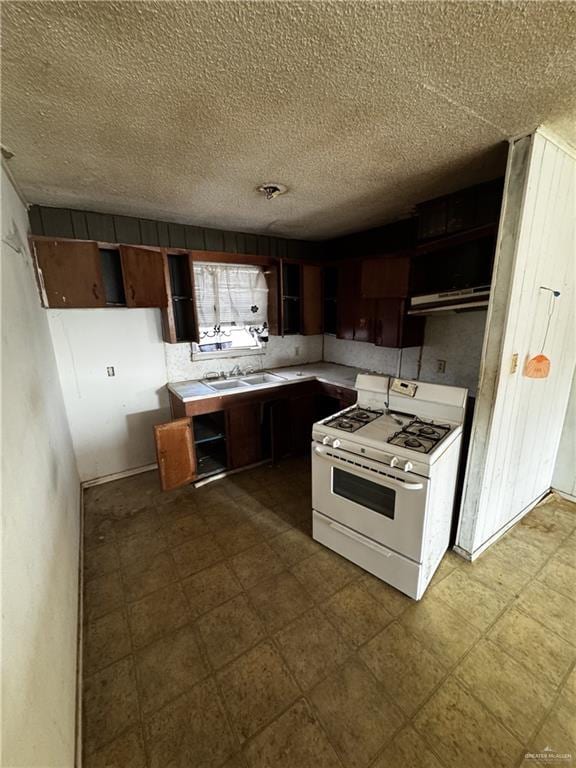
(384,504)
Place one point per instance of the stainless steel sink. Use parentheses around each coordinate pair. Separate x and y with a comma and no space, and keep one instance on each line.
(257,379)
(219,386)
(242,382)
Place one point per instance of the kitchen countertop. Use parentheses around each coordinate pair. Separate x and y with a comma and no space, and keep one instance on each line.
(329,373)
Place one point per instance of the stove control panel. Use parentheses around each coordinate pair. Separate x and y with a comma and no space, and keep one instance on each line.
(403,387)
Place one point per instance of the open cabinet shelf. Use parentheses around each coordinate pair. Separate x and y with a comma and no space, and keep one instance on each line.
(210,443)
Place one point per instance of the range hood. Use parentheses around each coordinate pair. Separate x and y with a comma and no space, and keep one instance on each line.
(458,300)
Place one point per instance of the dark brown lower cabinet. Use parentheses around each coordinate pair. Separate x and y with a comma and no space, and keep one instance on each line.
(215,437)
(302,416)
(280,429)
(175,452)
(244,434)
(336,398)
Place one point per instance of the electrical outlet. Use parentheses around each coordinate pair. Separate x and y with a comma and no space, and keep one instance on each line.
(110,370)
(441,366)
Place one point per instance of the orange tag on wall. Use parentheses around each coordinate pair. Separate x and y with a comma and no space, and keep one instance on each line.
(537,367)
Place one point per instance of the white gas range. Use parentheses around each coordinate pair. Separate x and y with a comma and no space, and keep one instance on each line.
(384,476)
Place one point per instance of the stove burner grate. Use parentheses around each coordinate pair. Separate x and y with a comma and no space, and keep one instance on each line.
(412,442)
(353,420)
(420,435)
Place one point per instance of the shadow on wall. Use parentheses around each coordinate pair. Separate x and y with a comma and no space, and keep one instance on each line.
(120,444)
(140,448)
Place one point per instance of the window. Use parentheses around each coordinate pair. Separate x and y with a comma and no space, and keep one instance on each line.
(231,305)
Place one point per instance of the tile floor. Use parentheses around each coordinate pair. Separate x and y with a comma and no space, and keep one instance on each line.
(218,633)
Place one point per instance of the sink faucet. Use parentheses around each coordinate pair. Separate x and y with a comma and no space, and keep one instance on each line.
(236,371)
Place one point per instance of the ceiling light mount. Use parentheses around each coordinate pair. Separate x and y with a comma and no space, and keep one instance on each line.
(270,189)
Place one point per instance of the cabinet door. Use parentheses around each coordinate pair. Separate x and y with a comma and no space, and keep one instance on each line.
(393,328)
(175,452)
(355,314)
(385,277)
(244,424)
(179,320)
(302,416)
(364,320)
(346,305)
(280,430)
(69,273)
(144,277)
(311,300)
(272,276)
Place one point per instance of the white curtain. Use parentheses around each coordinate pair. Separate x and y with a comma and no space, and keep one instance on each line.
(230,294)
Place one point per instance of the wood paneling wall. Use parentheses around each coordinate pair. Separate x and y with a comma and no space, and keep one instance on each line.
(108,228)
(518,421)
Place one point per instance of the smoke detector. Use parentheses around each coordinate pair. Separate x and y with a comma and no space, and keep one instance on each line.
(271,189)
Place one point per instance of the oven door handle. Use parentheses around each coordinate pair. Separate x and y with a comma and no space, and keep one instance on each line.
(392,481)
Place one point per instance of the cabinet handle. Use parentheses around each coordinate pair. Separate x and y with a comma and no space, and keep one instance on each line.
(132,292)
(95,291)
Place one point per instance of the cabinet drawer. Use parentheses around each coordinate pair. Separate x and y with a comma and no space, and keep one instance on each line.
(346,395)
(384,563)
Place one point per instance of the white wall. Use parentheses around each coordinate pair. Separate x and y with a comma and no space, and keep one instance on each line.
(40,520)
(278,352)
(111,418)
(564,479)
(518,421)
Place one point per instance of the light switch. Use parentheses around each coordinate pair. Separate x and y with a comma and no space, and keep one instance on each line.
(110,370)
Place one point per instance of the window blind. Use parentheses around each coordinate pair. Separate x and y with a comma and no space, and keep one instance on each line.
(230,294)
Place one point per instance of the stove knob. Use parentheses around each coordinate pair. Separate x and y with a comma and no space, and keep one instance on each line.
(326,440)
(394,461)
(336,444)
(408,466)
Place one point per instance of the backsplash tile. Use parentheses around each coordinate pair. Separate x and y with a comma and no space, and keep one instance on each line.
(456,338)
(360,354)
(280,351)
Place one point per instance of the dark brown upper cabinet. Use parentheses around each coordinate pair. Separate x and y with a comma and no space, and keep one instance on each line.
(385,277)
(330,298)
(271,273)
(301,298)
(393,328)
(69,273)
(312,308)
(467,209)
(144,277)
(355,314)
(175,452)
(179,323)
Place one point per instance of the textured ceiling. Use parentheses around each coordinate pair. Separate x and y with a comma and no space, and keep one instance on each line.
(179,110)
